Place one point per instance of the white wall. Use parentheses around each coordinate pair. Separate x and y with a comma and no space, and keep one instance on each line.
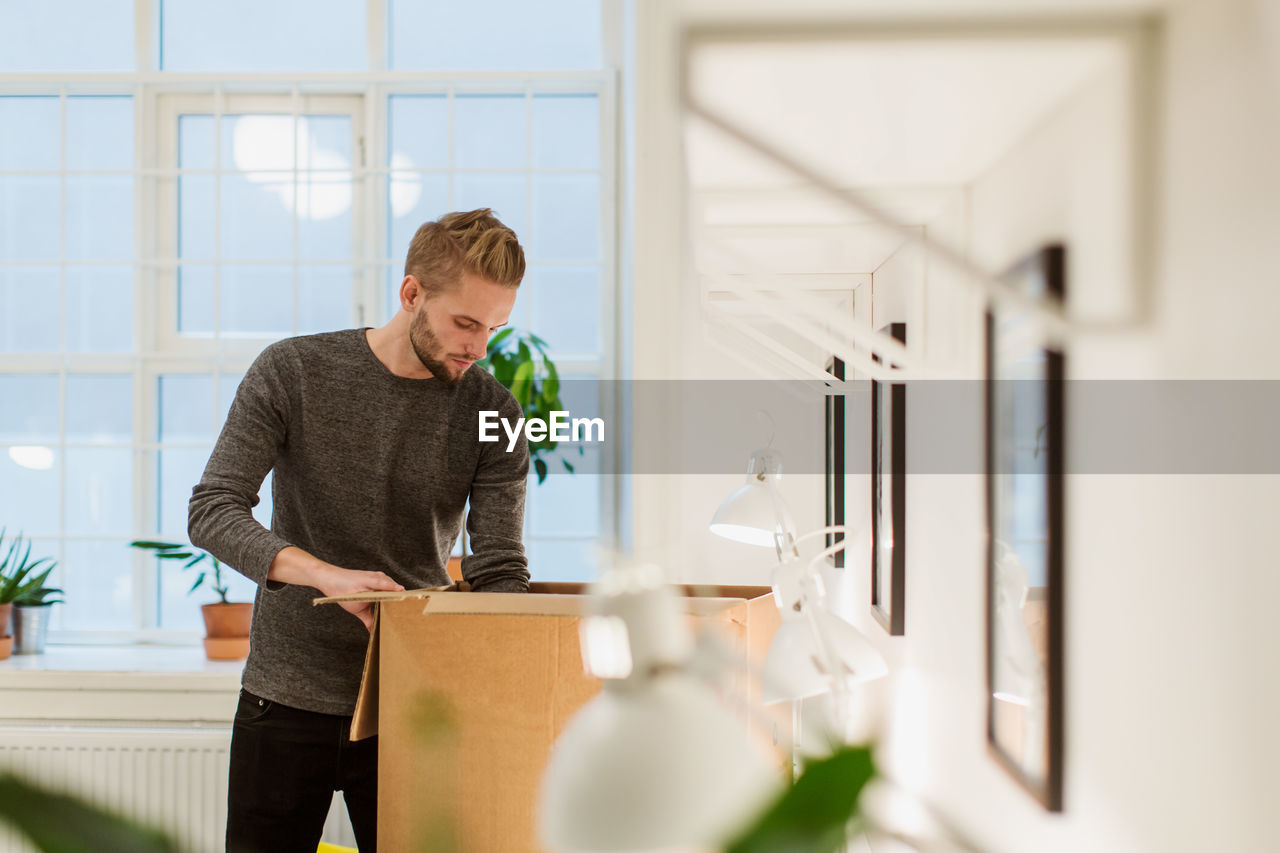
(1173,694)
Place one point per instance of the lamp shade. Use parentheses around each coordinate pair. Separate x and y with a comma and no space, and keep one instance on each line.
(662,767)
(793,665)
(748,515)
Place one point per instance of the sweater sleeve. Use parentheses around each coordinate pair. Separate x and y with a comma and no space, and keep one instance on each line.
(220,512)
(495,521)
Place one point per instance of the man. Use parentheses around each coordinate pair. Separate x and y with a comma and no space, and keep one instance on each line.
(372,435)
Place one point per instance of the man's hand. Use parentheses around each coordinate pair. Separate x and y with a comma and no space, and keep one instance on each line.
(293,565)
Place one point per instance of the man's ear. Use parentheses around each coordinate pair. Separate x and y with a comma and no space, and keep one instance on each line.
(411,293)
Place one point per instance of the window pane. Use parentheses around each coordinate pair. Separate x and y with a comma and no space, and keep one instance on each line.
(567,504)
(257,215)
(30,131)
(418,126)
(29,499)
(566,307)
(256,300)
(99,217)
(100,407)
(561,560)
(186,407)
(324,299)
(67,35)
(35,420)
(566,215)
(100,309)
(30,225)
(29,309)
(324,215)
(98,577)
(99,491)
(178,470)
(195,216)
(504,35)
(195,299)
(489,132)
(196,142)
(285,35)
(324,142)
(414,199)
(506,194)
(263,142)
(566,132)
(100,132)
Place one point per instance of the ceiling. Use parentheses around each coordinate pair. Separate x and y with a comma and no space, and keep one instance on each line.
(909,121)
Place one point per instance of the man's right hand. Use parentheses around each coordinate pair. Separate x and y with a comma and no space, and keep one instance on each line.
(293,565)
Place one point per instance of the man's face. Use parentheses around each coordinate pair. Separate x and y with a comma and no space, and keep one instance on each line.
(450,331)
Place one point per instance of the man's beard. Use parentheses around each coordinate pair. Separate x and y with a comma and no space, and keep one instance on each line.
(424,342)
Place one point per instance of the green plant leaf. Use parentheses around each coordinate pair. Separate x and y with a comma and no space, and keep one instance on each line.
(540,467)
(154,545)
(520,383)
(812,814)
(57,823)
(196,559)
(196,585)
(496,341)
(567,466)
(174,555)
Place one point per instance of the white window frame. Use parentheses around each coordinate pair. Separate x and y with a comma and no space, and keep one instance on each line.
(159,350)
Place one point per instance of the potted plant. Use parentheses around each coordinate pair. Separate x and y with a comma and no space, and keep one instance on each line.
(226,623)
(22,583)
(519,360)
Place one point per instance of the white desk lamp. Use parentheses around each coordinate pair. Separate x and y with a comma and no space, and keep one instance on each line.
(814,650)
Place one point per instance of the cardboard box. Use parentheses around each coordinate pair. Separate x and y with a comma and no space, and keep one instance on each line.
(468,692)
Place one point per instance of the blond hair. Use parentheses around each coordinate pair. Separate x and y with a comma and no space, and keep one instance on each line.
(467,241)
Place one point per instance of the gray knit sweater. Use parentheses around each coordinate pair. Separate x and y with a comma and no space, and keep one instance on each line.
(372,471)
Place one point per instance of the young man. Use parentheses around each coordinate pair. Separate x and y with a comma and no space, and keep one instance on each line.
(372,435)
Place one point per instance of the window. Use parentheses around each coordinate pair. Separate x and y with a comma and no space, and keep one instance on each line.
(157,231)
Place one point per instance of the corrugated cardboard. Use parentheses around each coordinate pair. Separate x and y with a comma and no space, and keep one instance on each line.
(468,693)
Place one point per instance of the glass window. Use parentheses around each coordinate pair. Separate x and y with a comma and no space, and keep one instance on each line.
(67,35)
(504,35)
(99,309)
(566,132)
(566,307)
(30,132)
(99,133)
(29,309)
(263,35)
(100,408)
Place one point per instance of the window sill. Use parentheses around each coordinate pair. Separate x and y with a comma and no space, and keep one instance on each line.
(144,684)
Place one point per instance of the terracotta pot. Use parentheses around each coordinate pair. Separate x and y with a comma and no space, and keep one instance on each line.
(5,610)
(6,647)
(227,630)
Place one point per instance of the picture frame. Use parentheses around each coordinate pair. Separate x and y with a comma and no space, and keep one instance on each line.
(834,467)
(889,498)
(1025,500)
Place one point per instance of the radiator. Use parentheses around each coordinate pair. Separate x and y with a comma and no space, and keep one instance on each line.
(172,779)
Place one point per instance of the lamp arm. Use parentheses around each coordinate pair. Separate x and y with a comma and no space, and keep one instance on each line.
(840,692)
(784,537)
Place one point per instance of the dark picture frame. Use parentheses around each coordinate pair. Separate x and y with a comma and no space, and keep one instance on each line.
(889,498)
(1025,501)
(834,468)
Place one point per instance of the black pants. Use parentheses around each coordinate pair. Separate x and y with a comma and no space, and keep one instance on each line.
(285,765)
